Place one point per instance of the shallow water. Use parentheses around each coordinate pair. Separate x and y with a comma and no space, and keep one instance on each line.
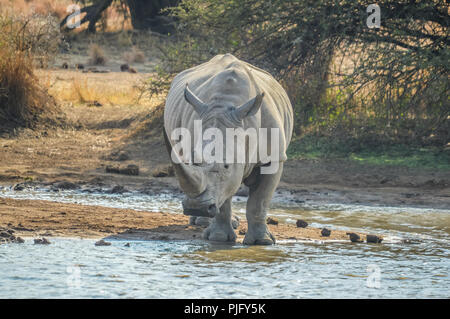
(75,268)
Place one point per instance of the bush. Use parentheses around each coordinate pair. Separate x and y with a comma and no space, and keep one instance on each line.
(23,101)
(35,35)
(338,72)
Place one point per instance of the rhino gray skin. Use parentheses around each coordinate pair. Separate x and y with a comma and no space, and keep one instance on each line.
(226,92)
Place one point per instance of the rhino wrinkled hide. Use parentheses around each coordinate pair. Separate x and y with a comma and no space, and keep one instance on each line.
(225,93)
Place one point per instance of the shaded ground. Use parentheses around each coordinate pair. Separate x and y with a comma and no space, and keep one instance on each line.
(118,136)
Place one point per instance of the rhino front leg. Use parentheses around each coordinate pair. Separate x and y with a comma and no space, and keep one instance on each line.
(262,188)
(220,228)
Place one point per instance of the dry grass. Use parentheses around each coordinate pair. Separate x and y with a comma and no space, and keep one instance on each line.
(56,8)
(114,88)
(22,98)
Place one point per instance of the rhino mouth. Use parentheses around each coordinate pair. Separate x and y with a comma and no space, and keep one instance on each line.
(204,211)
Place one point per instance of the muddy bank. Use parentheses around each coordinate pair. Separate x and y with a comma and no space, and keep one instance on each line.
(37,218)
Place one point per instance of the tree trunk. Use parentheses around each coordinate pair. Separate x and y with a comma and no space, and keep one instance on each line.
(146,14)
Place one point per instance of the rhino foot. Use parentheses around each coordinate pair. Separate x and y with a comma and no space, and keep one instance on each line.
(199,221)
(219,232)
(258,235)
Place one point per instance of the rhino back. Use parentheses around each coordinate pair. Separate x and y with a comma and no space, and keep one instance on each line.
(231,81)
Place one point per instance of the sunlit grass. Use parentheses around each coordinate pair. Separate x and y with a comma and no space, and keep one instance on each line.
(396,154)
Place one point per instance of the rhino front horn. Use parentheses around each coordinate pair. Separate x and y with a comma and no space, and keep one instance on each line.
(191,178)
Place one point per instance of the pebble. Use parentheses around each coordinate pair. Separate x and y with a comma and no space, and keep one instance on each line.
(6,236)
(354,238)
(301,223)
(129,170)
(41,241)
(325,232)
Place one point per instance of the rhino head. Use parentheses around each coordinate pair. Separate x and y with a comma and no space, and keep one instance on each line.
(208,185)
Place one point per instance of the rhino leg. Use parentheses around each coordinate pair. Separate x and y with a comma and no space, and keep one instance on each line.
(262,188)
(220,228)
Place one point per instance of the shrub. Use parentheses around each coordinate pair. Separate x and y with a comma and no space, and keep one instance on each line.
(36,35)
(23,101)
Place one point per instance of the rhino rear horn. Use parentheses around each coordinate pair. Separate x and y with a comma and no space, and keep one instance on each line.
(199,106)
(249,108)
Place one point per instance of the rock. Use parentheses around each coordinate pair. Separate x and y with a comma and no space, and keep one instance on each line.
(79,66)
(101,242)
(129,170)
(119,156)
(272,221)
(65,185)
(5,234)
(325,232)
(301,223)
(21,228)
(132,70)
(127,245)
(65,65)
(118,189)
(124,67)
(43,241)
(95,103)
(163,171)
(373,239)
(354,238)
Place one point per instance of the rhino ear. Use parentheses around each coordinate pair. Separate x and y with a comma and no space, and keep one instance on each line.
(193,100)
(249,108)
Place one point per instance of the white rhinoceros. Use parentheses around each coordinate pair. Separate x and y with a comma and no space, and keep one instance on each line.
(226,93)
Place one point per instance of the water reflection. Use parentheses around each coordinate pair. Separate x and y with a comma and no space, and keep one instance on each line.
(181,269)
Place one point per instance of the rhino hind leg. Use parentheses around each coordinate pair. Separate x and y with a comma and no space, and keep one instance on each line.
(262,187)
(220,227)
